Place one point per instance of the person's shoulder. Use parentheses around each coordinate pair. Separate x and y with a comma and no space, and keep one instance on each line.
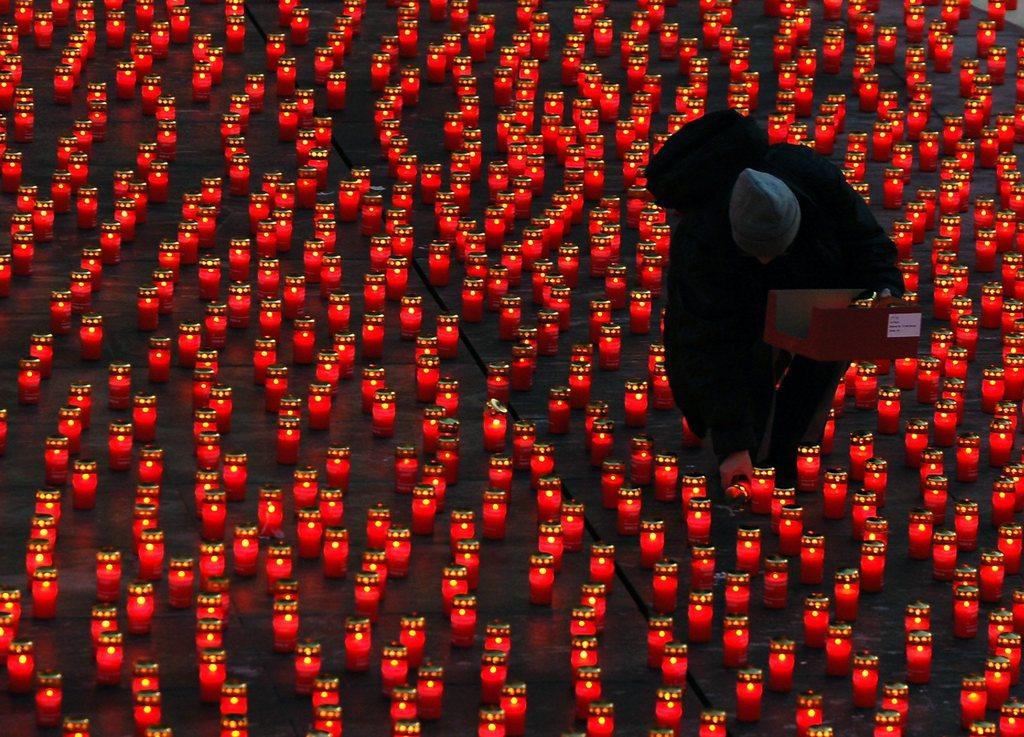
(808,173)
(802,161)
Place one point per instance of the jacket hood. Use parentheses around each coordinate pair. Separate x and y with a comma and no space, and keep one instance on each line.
(703,158)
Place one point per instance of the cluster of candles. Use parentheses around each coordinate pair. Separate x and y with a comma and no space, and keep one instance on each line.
(536,258)
(221,477)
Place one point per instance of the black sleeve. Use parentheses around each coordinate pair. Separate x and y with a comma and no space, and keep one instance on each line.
(867,250)
(714,329)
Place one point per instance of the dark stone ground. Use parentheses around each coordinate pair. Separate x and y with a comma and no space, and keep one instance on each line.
(540,635)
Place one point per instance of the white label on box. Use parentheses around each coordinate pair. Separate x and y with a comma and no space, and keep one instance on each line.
(904,325)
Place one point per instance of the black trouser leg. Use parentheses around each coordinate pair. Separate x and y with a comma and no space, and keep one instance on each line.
(802,401)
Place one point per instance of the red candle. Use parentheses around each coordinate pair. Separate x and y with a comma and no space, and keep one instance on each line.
(992,573)
(808,467)
(493,674)
(335,552)
(893,189)
(944,554)
(212,674)
(915,441)
(847,593)
(394,667)
(180,581)
(936,496)
(308,661)
(309,530)
(790,529)
(49,695)
(920,532)
(495,425)
(495,513)
(735,640)
(1003,501)
(21,666)
(44,593)
(91,336)
(968,451)
(1000,442)
(652,542)
(628,518)
(109,658)
(973,700)
(919,656)
(861,449)
(781,663)
(41,349)
(541,578)
(447,335)
(749,690)
(776,582)
(150,550)
(588,689)
(888,410)
(876,480)
(699,616)
(748,549)
(424,509)
(872,565)
(383,413)
(1003,641)
(319,405)
(815,620)
(368,592)
(917,616)
(927,380)
(737,592)
(29,380)
(140,607)
(865,680)
(1010,544)
(838,649)
(246,549)
(429,691)
(636,401)
(108,575)
(666,585)
(906,373)
(812,558)
(463,620)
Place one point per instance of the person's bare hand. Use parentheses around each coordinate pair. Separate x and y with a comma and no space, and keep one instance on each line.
(736,466)
(885,298)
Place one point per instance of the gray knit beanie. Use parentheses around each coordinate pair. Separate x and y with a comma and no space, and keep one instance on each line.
(764,214)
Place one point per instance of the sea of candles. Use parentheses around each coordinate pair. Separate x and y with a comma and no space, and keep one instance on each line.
(502,262)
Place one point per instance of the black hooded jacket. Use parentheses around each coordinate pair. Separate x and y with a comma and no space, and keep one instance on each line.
(718,365)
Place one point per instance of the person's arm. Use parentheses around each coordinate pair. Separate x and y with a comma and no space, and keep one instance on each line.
(717,381)
(867,250)
(714,334)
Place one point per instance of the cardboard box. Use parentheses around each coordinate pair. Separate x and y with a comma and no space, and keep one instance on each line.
(821,324)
